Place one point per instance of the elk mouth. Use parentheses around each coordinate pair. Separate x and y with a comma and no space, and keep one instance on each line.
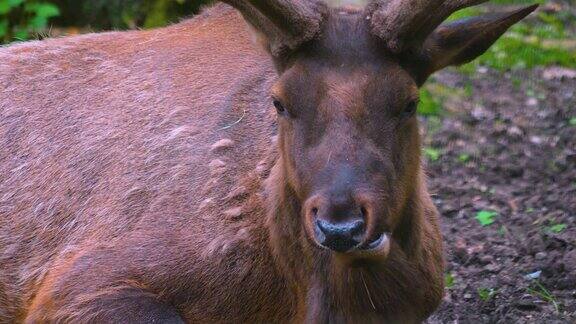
(376,243)
(369,253)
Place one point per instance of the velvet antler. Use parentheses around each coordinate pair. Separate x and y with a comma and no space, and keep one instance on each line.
(402,24)
(286,24)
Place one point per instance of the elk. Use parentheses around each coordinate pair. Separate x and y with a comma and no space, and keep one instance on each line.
(257,163)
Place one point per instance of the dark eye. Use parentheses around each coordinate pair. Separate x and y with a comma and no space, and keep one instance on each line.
(279,107)
(410,109)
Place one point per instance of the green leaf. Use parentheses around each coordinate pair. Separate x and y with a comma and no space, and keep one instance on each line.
(449,280)
(432,154)
(7,5)
(557,228)
(38,23)
(429,105)
(572,121)
(486,217)
(3,28)
(486,293)
(44,10)
(464,157)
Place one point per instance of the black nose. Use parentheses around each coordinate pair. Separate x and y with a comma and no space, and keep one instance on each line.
(339,237)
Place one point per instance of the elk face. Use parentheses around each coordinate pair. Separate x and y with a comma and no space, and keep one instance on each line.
(348,137)
(346,100)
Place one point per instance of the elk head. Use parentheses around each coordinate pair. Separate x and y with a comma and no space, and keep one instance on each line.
(346,100)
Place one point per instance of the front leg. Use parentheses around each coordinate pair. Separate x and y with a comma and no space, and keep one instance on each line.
(114,305)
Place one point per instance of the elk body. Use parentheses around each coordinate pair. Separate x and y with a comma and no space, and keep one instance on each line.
(185,174)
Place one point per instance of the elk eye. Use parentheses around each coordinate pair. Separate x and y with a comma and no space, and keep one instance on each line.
(279,107)
(410,109)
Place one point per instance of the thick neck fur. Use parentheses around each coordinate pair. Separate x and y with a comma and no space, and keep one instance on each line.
(403,288)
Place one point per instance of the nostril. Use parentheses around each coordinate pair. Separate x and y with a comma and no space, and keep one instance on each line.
(364,211)
(315,211)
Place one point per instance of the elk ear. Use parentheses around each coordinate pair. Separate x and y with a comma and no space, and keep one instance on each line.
(464,40)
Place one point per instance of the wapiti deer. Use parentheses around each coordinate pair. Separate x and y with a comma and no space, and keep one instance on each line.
(186,175)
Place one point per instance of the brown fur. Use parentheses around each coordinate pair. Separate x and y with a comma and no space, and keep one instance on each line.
(145,176)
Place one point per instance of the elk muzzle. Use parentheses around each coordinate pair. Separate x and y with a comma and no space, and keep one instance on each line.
(344,222)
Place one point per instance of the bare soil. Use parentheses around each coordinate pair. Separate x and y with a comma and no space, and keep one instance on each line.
(508,148)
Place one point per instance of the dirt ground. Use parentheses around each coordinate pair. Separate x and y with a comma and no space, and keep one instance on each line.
(507,152)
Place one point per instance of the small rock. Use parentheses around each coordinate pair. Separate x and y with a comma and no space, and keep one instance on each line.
(533,275)
(531,102)
(478,113)
(468,296)
(515,131)
(536,140)
(540,256)
(486,259)
(526,305)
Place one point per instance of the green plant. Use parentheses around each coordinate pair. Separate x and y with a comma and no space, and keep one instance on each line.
(432,154)
(538,290)
(429,104)
(486,217)
(486,294)
(464,157)
(125,14)
(557,228)
(20,19)
(572,121)
(449,280)
(543,41)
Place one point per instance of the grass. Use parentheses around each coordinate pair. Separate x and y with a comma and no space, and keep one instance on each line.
(542,40)
(434,95)
(541,292)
